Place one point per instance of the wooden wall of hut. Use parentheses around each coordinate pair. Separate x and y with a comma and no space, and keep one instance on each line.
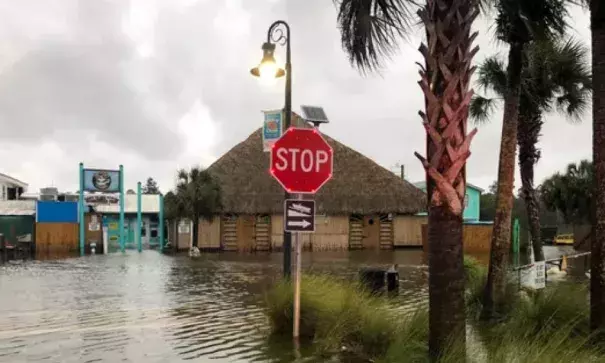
(277,232)
(407,230)
(209,235)
(476,238)
(262,233)
(242,233)
(56,239)
(370,232)
(331,234)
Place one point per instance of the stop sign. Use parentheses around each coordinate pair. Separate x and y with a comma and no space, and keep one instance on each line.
(301,160)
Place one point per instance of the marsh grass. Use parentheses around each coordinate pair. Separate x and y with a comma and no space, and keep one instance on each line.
(548,326)
(334,314)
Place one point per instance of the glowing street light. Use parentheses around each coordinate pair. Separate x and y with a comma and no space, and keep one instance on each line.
(269,70)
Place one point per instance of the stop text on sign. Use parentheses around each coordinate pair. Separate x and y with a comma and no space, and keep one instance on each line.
(307,160)
(301,160)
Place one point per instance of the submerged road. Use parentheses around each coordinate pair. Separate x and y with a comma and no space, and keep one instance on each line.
(150,307)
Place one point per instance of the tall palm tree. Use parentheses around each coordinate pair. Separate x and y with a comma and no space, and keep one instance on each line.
(200,196)
(597,280)
(370,31)
(518,23)
(597,259)
(554,76)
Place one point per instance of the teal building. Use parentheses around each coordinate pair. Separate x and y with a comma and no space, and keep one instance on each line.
(472,201)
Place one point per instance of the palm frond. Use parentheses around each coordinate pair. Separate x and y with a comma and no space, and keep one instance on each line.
(371,29)
(481,108)
(520,21)
(571,78)
(571,64)
(492,76)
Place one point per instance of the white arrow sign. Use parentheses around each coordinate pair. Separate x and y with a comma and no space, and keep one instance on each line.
(303,223)
(293,213)
(301,208)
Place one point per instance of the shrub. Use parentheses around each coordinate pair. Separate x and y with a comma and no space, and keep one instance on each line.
(336,313)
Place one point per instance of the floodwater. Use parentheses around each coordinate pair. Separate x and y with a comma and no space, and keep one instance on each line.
(150,307)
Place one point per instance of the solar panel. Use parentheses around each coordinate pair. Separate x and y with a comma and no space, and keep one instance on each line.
(314,114)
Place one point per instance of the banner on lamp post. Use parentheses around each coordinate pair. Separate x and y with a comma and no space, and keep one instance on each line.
(273,123)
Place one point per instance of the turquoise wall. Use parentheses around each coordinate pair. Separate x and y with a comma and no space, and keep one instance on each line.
(472,204)
(472,201)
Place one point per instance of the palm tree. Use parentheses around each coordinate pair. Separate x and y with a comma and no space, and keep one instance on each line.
(174,211)
(518,23)
(554,76)
(597,259)
(200,196)
(370,31)
(571,193)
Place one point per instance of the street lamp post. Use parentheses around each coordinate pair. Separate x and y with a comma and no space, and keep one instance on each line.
(268,68)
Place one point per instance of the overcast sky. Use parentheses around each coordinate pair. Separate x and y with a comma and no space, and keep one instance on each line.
(157,85)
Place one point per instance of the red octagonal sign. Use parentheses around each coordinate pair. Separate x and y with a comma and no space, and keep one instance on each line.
(301,160)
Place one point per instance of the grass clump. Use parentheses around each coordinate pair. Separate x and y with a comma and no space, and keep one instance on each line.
(560,307)
(475,276)
(336,313)
(551,325)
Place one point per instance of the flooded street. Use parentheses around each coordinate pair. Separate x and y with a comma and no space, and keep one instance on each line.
(150,307)
(158,308)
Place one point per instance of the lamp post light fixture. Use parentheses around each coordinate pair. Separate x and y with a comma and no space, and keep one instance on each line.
(279,33)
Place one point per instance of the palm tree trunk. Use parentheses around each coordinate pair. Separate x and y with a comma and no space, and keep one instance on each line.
(196,226)
(530,124)
(500,246)
(597,280)
(445,80)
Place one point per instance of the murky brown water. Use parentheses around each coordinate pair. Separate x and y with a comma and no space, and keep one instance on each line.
(150,307)
(157,308)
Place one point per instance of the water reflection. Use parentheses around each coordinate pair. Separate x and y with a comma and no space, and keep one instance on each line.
(155,308)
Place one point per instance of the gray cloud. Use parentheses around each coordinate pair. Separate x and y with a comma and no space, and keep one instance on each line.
(127,73)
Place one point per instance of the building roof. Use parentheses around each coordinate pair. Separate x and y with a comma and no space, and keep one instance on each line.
(422,185)
(359,185)
(150,203)
(17,208)
(12,180)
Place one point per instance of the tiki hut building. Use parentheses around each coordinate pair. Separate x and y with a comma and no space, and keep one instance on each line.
(363,206)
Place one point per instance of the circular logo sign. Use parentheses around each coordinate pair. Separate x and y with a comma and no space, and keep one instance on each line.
(101,180)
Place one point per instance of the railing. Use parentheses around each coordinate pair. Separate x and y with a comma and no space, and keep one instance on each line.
(559,262)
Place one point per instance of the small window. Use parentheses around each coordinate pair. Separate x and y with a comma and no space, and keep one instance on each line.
(143,232)
(466,200)
(154,233)
(371,222)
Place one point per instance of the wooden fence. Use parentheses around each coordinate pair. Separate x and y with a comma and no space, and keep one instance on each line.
(54,239)
(476,238)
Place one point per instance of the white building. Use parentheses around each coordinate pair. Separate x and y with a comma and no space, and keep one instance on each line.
(11,188)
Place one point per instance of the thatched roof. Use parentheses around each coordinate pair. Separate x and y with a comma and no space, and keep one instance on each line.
(358,185)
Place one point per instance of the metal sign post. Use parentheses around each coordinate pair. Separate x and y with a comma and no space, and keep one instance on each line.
(296,328)
(302,162)
(299,217)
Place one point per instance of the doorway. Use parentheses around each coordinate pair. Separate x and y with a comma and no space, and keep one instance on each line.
(371,232)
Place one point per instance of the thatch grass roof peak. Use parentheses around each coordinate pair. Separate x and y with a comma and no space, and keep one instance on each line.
(358,186)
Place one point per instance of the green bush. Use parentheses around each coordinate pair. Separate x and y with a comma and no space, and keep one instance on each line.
(546,326)
(475,275)
(559,307)
(335,313)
